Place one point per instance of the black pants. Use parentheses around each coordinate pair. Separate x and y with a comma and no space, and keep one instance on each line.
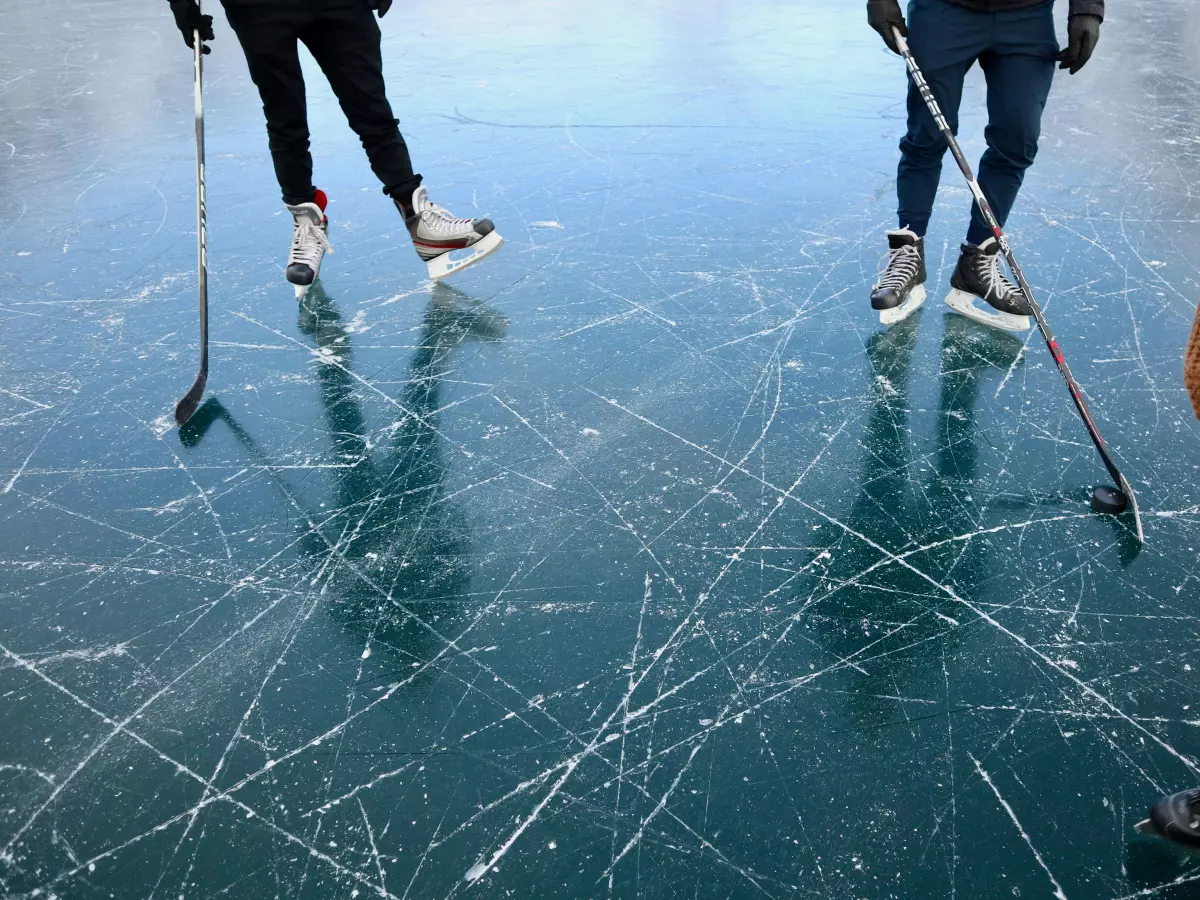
(343,37)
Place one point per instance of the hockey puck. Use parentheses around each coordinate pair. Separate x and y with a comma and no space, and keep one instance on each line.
(1109,500)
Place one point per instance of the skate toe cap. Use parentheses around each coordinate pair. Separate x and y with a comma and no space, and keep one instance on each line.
(1172,819)
(298,273)
(885,298)
(484,227)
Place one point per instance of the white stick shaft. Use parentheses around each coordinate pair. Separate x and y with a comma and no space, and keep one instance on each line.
(201,210)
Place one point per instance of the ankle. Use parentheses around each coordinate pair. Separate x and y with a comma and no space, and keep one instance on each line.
(405,208)
(402,195)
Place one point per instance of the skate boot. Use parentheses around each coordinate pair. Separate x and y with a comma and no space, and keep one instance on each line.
(901,288)
(1176,818)
(309,243)
(436,235)
(977,277)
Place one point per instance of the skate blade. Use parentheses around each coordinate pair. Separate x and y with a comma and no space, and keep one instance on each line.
(1145,827)
(966,305)
(302,289)
(913,302)
(446,265)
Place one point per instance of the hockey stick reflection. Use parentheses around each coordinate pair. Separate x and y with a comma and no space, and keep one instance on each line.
(394,547)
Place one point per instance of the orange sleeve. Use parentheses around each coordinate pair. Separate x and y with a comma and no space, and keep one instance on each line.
(1191,366)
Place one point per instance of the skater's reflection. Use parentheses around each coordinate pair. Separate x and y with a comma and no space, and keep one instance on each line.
(394,552)
(894,624)
(894,641)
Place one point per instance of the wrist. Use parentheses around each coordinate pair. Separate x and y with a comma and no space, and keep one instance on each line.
(1088,8)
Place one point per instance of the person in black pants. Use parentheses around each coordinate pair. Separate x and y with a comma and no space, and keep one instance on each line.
(1014,43)
(344,39)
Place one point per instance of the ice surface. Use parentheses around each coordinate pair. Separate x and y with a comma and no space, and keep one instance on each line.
(638,563)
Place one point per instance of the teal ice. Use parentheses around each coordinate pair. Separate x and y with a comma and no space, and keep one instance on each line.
(636,562)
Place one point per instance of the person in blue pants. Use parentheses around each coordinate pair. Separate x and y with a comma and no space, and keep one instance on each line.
(1015,45)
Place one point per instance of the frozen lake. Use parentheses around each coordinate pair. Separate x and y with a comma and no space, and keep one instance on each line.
(639,561)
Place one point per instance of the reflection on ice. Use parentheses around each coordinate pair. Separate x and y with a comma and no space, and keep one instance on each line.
(639,562)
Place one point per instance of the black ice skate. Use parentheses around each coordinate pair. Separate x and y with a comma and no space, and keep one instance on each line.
(1176,818)
(977,277)
(901,288)
(310,243)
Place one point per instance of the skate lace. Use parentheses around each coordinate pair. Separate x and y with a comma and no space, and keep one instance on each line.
(440,221)
(309,243)
(900,266)
(997,284)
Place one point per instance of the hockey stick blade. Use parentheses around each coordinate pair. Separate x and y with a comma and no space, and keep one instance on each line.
(1123,482)
(188,403)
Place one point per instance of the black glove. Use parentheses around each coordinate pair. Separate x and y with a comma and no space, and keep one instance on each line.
(188,18)
(1083,33)
(883,15)
(381,6)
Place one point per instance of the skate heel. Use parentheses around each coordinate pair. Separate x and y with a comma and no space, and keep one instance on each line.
(913,302)
(966,304)
(448,263)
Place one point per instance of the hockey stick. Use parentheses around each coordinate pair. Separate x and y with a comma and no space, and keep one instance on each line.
(1039,316)
(188,403)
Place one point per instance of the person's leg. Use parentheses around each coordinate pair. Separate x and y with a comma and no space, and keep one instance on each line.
(945,40)
(268,36)
(344,40)
(1019,68)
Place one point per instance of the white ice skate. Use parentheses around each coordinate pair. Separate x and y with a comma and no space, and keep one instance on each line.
(446,244)
(977,281)
(310,243)
(901,288)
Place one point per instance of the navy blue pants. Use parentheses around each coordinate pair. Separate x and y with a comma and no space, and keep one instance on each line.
(1016,51)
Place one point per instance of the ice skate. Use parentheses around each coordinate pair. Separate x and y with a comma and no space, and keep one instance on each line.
(310,243)
(901,288)
(977,278)
(1176,818)
(446,244)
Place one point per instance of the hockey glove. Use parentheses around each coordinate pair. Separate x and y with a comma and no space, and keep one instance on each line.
(883,15)
(381,6)
(188,18)
(1083,33)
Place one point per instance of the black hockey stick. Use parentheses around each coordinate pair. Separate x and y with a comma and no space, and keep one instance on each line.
(1102,497)
(187,405)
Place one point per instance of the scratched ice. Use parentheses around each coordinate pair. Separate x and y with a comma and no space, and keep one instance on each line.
(639,563)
